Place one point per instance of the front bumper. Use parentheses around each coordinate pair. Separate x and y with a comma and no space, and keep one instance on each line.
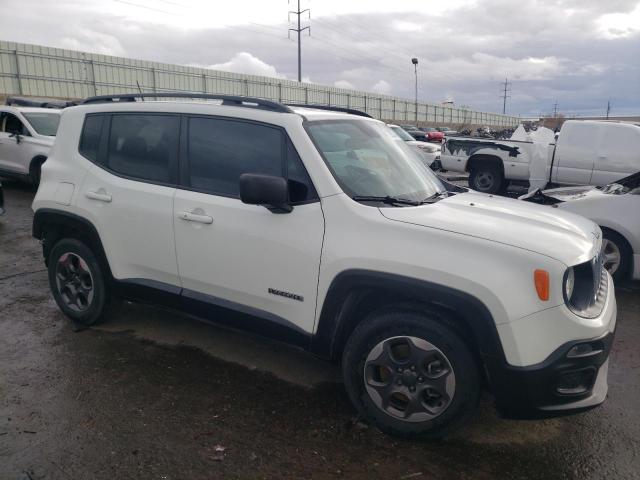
(560,385)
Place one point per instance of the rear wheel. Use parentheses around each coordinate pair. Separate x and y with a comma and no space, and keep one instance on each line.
(78,283)
(410,374)
(487,179)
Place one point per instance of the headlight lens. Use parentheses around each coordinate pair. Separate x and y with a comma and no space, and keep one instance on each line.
(428,148)
(569,283)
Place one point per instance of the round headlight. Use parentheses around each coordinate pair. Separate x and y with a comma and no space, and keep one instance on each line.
(569,283)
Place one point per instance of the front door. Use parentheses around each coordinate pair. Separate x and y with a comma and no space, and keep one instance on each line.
(14,140)
(244,257)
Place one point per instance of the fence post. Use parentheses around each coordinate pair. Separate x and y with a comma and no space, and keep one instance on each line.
(204,83)
(93,77)
(280,92)
(246,87)
(393,113)
(153,80)
(365,103)
(306,95)
(380,107)
(329,98)
(18,76)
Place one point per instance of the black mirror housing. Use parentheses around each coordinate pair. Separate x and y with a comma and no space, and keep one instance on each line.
(267,190)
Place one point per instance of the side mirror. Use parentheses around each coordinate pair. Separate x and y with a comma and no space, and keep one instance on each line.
(17,135)
(267,190)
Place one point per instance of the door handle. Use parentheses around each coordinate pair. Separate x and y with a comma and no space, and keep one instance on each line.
(100,195)
(196,217)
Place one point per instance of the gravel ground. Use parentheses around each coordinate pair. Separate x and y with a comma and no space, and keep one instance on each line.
(158,395)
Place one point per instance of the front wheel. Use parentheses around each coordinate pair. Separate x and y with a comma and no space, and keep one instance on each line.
(410,374)
(78,283)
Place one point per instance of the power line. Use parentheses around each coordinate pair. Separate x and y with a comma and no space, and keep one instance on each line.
(299,31)
(506,89)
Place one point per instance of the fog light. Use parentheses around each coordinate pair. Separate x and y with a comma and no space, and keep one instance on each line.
(583,350)
(576,382)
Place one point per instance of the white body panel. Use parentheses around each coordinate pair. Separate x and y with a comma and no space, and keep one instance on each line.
(15,158)
(246,250)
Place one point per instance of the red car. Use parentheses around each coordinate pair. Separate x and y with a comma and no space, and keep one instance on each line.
(433,135)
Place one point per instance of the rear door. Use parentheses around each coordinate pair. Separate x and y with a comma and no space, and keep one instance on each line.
(244,257)
(128,193)
(575,154)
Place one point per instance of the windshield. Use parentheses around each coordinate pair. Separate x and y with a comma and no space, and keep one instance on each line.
(367,159)
(402,134)
(44,123)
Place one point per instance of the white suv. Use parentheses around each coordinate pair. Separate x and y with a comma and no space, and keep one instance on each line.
(26,137)
(318,228)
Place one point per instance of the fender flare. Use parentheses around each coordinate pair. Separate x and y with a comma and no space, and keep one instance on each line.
(336,321)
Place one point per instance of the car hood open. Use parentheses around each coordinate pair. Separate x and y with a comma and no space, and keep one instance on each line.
(564,236)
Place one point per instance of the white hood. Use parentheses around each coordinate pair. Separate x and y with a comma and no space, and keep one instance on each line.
(566,237)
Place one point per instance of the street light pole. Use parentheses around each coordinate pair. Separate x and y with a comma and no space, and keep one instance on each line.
(415,68)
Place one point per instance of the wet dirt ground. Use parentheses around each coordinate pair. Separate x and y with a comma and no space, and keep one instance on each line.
(157,395)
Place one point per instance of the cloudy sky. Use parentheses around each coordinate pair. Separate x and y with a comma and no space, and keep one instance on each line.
(580,53)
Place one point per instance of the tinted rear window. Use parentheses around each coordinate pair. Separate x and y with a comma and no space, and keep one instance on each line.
(90,138)
(144,146)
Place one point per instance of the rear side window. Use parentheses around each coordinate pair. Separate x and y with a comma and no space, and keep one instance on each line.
(219,151)
(90,137)
(144,146)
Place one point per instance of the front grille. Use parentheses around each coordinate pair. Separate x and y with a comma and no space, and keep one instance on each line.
(599,286)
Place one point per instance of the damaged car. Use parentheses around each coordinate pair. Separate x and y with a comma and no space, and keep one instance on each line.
(614,207)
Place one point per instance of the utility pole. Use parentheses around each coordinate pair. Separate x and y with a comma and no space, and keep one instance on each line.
(507,89)
(299,30)
(608,108)
(555,109)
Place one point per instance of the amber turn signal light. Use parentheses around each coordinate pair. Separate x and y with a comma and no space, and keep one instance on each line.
(541,280)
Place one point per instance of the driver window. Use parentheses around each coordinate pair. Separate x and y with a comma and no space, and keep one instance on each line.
(9,123)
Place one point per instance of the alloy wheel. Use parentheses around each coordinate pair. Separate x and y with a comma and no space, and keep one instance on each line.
(409,379)
(611,256)
(74,282)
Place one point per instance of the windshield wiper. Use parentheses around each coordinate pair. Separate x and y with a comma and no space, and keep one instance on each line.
(389,200)
(435,197)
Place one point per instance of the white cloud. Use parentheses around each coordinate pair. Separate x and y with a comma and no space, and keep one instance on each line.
(244,62)
(382,87)
(84,39)
(619,25)
(344,84)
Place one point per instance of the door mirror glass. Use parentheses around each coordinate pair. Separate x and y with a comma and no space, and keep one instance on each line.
(267,190)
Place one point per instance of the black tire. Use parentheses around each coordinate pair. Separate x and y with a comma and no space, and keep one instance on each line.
(97,303)
(35,170)
(619,244)
(487,179)
(389,325)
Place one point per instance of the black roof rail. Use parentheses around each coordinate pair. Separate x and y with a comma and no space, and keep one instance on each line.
(39,102)
(229,100)
(352,111)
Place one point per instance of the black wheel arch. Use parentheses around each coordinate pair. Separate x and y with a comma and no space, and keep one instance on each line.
(485,160)
(51,225)
(38,159)
(355,293)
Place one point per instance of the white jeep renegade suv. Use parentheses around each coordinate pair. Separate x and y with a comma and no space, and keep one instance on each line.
(320,229)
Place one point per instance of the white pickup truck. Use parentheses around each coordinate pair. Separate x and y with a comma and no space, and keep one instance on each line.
(586,152)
